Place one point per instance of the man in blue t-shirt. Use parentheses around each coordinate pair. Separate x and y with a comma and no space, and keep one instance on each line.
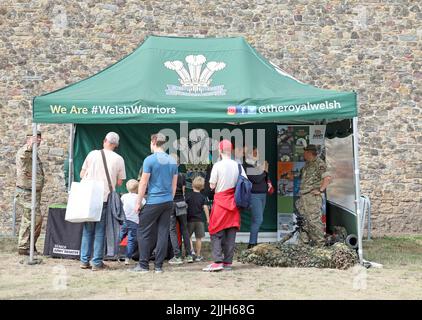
(160,175)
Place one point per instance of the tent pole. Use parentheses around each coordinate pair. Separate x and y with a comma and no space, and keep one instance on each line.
(33,191)
(70,178)
(14,217)
(357,186)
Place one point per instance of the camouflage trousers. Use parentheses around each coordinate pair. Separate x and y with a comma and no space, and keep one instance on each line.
(23,210)
(313,230)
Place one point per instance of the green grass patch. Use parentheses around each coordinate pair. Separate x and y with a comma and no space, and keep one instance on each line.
(394,251)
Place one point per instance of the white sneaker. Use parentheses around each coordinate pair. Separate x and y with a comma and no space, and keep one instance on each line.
(158,270)
(127,261)
(213,267)
(176,260)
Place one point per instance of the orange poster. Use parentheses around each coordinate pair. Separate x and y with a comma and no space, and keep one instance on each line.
(285,170)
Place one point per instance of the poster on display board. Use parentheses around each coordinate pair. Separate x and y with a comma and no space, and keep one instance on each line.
(286,224)
(291,141)
(316,135)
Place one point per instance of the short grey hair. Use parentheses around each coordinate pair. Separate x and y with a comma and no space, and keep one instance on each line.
(113,138)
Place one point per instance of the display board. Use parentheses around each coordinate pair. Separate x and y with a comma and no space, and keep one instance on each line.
(291,141)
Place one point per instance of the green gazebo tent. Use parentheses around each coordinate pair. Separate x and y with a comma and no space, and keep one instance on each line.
(156,84)
(206,82)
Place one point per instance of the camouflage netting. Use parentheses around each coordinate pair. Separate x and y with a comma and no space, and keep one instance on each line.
(337,256)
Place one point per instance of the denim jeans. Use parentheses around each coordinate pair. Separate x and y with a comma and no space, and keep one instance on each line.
(258,201)
(129,228)
(93,240)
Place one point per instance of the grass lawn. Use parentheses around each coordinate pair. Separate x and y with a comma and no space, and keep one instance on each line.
(394,251)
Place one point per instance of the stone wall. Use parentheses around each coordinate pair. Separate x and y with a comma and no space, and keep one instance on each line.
(371,46)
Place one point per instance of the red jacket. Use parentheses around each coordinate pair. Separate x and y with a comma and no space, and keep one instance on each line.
(224,212)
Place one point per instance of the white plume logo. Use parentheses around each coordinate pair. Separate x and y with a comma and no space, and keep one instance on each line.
(196,82)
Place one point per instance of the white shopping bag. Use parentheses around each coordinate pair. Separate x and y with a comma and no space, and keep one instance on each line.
(85,203)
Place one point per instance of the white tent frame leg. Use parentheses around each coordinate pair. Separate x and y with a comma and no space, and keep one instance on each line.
(357,186)
(71,141)
(33,192)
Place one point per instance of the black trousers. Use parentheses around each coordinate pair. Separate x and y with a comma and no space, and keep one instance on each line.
(153,231)
(183,223)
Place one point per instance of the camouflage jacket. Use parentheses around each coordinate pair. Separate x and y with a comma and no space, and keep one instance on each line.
(312,174)
(24,169)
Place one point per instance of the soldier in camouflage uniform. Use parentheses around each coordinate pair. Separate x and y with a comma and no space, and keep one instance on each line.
(315,179)
(24,193)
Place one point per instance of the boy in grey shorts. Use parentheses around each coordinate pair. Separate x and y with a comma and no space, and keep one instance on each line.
(197,204)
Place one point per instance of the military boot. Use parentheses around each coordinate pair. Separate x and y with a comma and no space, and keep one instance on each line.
(23,252)
(26,252)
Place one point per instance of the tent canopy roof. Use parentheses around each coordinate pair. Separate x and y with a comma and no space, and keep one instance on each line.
(171,79)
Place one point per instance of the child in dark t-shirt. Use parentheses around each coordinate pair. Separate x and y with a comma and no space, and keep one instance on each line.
(197,204)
